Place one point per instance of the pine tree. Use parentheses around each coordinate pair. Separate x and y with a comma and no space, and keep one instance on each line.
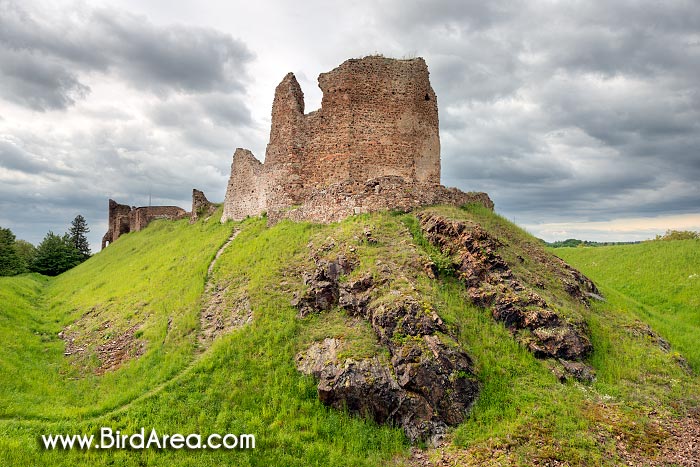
(77,231)
(56,254)
(10,264)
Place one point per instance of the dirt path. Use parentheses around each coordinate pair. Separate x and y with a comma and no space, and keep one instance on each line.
(233,236)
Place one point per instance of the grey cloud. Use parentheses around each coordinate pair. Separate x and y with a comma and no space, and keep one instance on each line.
(217,108)
(44,59)
(621,76)
(176,57)
(37,82)
(449,15)
(561,111)
(225,110)
(14,158)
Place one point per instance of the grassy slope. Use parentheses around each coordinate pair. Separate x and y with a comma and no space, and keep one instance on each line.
(659,281)
(246,382)
(144,279)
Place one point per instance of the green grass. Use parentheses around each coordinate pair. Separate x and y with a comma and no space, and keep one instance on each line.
(659,281)
(246,381)
(144,279)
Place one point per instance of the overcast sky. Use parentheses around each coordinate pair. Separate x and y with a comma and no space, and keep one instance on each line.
(580,119)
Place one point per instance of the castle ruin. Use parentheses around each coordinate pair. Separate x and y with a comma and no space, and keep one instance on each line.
(374,144)
(124,219)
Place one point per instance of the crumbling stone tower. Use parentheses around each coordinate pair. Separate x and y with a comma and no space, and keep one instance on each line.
(378,122)
(378,117)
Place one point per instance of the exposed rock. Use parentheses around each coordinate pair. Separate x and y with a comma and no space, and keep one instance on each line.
(367,387)
(354,296)
(490,283)
(439,372)
(323,290)
(579,286)
(563,342)
(222,313)
(427,384)
(579,370)
(115,349)
(406,317)
(643,330)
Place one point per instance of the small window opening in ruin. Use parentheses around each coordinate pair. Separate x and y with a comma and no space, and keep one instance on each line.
(427,97)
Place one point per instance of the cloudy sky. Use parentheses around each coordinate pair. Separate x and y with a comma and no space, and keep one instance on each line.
(580,119)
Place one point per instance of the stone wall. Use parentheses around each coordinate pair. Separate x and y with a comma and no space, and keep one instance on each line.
(377,125)
(341,200)
(245,194)
(201,206)
(124,219)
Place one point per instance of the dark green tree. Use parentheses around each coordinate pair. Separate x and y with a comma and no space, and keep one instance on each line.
(10,263)
(77,232)
(26,253)
(56,254)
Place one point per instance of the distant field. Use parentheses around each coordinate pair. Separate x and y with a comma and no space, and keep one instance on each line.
(659,281)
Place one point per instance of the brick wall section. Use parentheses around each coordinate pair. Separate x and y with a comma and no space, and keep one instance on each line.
(286,153)
(124,219)
(245,194)
(378,117)
(377,127)
(141,217)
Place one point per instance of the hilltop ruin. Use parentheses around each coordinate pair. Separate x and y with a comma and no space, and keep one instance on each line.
(374,144)
(124,219)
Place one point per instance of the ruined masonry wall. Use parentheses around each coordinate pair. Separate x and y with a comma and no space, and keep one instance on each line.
(378,117)
(201,206)
(246,186)
(378,122)
(124,219)
(337,202)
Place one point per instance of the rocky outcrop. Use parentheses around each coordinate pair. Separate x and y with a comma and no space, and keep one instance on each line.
(368,387)
(491,283)
(425,385)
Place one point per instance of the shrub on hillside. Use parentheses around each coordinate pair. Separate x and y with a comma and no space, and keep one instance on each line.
(678,235)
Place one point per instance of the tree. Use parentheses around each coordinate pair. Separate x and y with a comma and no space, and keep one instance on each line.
(56,254)
(10,263)
(77,231)
(26,252)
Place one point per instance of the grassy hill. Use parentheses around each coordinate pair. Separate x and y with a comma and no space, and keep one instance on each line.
(658,280)
(141,299)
